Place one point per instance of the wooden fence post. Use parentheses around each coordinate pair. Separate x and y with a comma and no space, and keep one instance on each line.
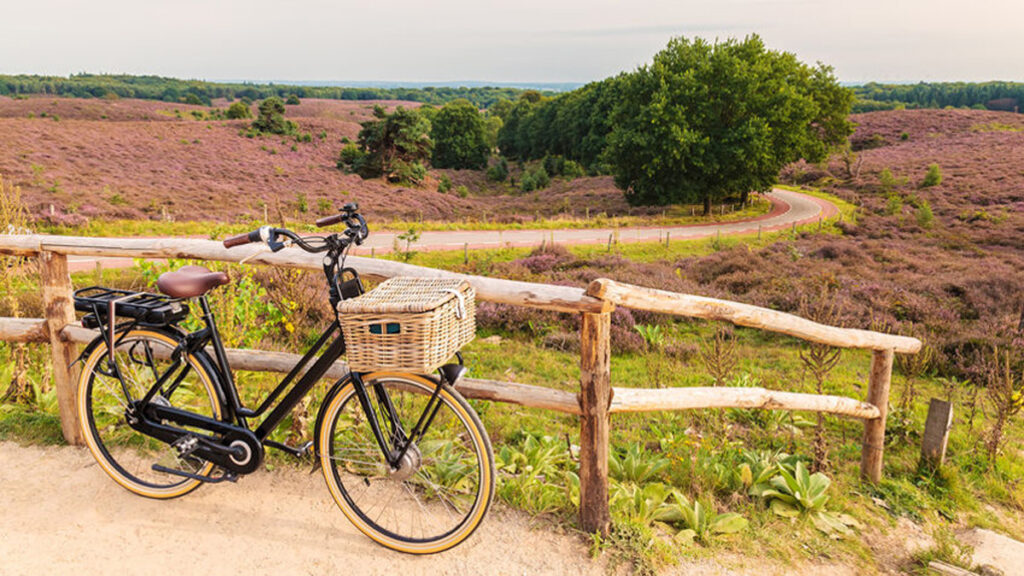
(874,430)
(936,432)
(595,398)
(60,310)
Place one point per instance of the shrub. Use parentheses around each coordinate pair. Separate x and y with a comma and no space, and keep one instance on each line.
(271,118)
(293,100)
(933,177)
(535,180)
(553,165)
(572,170)
(351,158)
(462,191)
(886,181)
(408,172)
(894,205)
(499,171)
(925,216)
(445,184)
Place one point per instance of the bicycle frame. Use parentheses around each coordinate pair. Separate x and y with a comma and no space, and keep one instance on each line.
(393,442)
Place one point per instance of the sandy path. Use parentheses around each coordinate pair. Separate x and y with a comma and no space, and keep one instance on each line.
(63,515)
(788,208)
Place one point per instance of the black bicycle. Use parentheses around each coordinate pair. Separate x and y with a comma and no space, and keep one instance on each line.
(404,456)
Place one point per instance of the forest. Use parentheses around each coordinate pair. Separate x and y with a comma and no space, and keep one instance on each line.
(203,93)
(1003,96)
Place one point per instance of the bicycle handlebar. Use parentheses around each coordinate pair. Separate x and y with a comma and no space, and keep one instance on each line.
(244,238)
(330,220)
(356,232)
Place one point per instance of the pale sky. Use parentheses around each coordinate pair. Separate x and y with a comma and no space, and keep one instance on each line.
(509,41)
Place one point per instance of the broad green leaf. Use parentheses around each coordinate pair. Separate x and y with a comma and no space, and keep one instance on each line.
(685,536)
(728,523)
(783,509)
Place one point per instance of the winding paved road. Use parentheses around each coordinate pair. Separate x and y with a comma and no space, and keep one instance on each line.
(788,208)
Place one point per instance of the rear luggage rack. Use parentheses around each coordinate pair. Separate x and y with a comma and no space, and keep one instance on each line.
(145,308)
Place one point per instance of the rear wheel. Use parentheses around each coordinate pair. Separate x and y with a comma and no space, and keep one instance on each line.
(441,489)
(124,453)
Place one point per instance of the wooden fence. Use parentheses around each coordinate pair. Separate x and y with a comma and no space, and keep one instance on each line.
(597,398)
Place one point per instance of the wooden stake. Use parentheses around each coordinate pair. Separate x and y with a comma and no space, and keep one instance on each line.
(873,444)
(595,424)
(59,306)
(936,432)
(465,253)
(758,231)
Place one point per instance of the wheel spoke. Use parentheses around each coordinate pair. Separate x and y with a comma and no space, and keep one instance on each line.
(139,358)
(443,489)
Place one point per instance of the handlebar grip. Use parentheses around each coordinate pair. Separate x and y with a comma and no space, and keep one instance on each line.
(330,220)
(246,238)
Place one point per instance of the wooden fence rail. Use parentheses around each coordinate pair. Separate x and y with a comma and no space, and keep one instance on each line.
(596,401)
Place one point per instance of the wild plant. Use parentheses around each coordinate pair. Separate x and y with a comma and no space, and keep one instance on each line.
(820,360)
(914,366)
(14,219)
(698,520)
(537,474)
(801,494)
(409,238)
(636,465)
(1005,391)
(654,345)
(719,356)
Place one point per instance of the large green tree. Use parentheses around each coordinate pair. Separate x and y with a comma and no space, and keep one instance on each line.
(391,145)
(459,136)
(706,121)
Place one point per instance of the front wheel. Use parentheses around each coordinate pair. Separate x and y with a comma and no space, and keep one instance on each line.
(443,486)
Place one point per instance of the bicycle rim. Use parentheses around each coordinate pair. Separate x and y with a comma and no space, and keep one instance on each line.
(444,486)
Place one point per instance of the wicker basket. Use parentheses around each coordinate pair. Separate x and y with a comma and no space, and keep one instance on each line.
(408,324)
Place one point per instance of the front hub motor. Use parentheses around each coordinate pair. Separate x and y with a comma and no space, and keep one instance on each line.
(408,465)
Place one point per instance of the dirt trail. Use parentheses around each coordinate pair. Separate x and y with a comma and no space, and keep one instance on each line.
(63,515)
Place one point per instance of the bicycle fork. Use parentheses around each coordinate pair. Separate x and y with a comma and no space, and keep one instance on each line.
(394,443)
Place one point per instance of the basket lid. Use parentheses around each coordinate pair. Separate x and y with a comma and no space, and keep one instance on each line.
(405,295)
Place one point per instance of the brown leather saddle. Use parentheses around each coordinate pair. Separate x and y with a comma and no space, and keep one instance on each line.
(190,281)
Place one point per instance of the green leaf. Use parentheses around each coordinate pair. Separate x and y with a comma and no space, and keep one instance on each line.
(784,509)
(728,523)
(685,536)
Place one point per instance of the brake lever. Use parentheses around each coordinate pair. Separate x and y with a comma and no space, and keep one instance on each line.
(274,244)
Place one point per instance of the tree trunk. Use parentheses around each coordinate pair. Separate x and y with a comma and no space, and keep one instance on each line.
(707,205)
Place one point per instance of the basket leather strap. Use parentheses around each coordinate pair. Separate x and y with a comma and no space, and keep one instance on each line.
(460,310)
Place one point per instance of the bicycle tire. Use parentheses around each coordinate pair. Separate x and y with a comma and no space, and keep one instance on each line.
(125,454)
(454,472)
